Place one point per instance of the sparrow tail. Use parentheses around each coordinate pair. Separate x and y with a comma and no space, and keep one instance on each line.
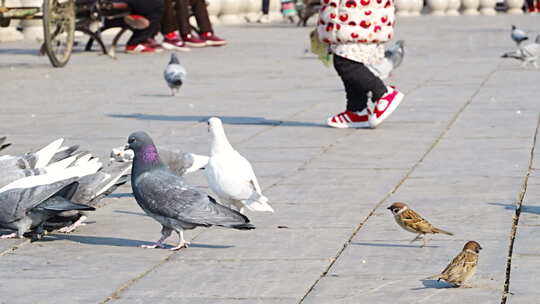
(437,230)
(437,276)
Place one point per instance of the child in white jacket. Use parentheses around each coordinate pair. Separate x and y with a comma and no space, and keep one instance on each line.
(356,31)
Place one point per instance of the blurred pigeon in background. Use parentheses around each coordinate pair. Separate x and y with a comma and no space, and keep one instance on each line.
(174,74)
(27,203)
(165,196)
(518,35)
(529,53)
(230,175)
(393,56)
(179,162)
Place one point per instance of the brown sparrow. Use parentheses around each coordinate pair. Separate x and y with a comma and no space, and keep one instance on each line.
(462,267)
(411,221)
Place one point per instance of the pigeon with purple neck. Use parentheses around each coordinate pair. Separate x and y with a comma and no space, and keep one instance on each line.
(165,196)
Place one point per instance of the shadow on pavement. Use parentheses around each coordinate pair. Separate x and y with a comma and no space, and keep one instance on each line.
(130,212)
(393,245)
(434,284)
(232,120)
(113,241)
(524,208)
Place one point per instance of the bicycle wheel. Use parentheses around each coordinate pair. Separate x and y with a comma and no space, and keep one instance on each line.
(58,30)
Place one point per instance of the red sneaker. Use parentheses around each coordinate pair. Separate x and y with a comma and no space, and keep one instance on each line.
(137,22)
(146,48)
(380,110)
(172,41)
(212,40)
(193,41)
(349,119)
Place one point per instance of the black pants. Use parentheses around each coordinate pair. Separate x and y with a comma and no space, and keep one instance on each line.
(265,6)
(151,10)
(177,16)
(358,81)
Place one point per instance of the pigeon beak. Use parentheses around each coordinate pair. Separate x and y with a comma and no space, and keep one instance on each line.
(126,147)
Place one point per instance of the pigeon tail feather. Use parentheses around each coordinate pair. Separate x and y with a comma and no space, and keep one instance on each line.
(258,202)
(45,155)
(58,203)
(246,226)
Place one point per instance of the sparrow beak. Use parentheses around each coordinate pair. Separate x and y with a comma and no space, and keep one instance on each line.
(126,147)
(389,208)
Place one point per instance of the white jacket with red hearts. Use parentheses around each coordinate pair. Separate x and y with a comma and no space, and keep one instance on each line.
(360,21)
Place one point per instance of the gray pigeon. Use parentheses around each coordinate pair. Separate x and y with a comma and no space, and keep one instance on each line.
(179,162)
(50,157)
(529,53)
(174,74)
(3,143)
(27,203)
(395,53)
(165,196)
(393,56)
(518,35)
(92,189)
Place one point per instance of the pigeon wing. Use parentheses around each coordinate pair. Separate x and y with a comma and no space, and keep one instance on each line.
(14,203)
(165,194)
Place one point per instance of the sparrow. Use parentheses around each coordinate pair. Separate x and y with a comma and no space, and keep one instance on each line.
(411,221)
(462,267)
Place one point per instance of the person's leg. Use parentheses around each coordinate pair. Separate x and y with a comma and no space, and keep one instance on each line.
(168,22)
(151,10)
(358,81)
(265,7)
(201,15)
(203,21)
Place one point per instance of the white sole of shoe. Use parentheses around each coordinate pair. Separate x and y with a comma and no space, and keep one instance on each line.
(172,47)
(195,45)
(374,122)
(214,43)
(348,125)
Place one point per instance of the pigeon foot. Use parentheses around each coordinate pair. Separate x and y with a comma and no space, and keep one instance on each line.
(72,227)
(180,246)
(154,246)
(9,236)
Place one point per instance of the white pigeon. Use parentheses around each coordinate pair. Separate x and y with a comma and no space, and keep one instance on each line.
(230,175)
(529,53)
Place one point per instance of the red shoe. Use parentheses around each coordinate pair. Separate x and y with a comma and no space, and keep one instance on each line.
(349,119)
(212,40)
(137,22)
(172,41)
(146,48)
(380,110)
(193,41)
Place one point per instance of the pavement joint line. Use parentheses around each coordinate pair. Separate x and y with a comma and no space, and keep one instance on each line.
(118,292)
(402,180)
(515,219)
(15,247)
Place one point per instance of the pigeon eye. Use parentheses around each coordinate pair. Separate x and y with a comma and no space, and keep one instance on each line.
(131,140)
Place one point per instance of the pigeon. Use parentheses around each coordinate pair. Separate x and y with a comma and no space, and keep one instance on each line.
(393,56)
(518,35)
(529,53)
(230,175)
(27,203)
(91,190)
(51,157)
(165,196)
(174,74)
(180,163)
(3,143)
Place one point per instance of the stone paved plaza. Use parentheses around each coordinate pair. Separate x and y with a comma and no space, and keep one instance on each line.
(460,150)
